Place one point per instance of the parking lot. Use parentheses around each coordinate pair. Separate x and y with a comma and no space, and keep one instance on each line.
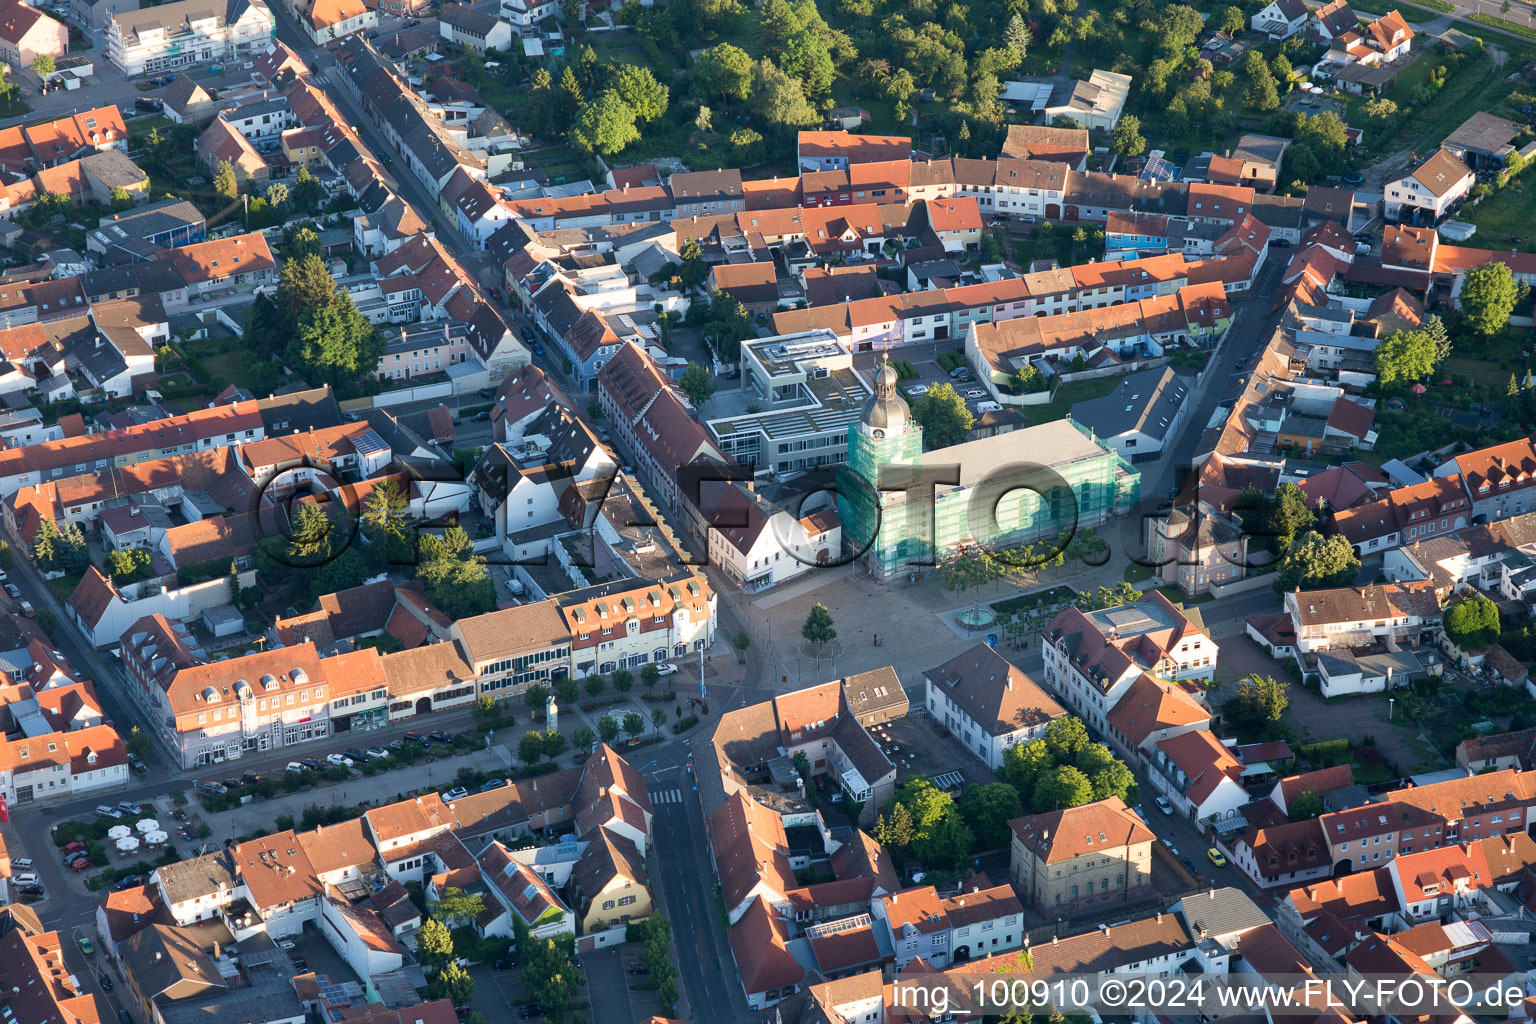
(502,994)
(924,359)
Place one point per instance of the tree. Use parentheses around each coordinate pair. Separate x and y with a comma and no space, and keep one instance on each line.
(1262,94)
(943,415)
(386,521)
(724,72)
(818,629)
(1435,328)
(554,743)
(452,983)
(623,680)
(129,565)
(485,713)
(650,676)
(605,126)
(530,749)
(456,578)
(1282,70)
(634,725)
(1024,763)
(987,811)
(940,836)
(455,907)
(1488,297)
(1308,804)
(1472,624)
(1258,703)
(277,194)
(1316,562)
(894,829)
(658,718)
(307,192)
(779,99)
(1126,139)
(121,198)
(434,944)
(1380,109)
(224,182)
(42,65)
(1061,788)
(747,146)
(304,285)
(567,690)
(638,87)
(1066,738)
(138,743)
(805,58)
(536,698)
(1287,514)
(336,344)
(1229,20)
(608,729)
(583,738)
(741,641)
(698,384)
(1016,36)
(1404,357)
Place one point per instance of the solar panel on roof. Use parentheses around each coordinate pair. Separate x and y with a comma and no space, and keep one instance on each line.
(369,443)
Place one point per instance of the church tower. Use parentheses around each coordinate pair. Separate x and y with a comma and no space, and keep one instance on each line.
(876,523)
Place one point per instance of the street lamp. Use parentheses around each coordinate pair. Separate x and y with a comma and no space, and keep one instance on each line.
(1390,702)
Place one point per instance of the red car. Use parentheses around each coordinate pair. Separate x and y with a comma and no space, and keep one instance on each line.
(495,292)
(80,864)
(74,847)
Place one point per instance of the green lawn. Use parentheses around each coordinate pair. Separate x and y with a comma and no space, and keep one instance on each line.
(1506,219)
(1068,395)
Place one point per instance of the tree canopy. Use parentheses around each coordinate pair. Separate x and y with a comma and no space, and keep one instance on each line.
(943,415)
(1315,562)
(1488,297)
(1473,623)
(1404,357)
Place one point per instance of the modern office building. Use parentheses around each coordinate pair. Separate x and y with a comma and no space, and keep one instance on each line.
(903,508)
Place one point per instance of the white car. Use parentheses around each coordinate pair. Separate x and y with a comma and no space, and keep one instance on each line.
(341,759)
(1164,806)
(975,393)
(917,390)
(666,669)
(376,752)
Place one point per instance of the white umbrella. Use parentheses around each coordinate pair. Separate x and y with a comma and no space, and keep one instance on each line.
(148,825)
(119,832)
(127,844)
(156,838)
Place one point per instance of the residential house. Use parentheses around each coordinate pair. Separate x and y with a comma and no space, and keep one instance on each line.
(1430,192)
(187,32)
(1280,19)
(1082,858)
(27,33)
(987,703)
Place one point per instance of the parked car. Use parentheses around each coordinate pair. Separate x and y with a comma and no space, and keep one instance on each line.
(639,968)
(34,889)
(487,393)
(85,946)
(1164,806)
(311,763)
(233,783)
(456,793)
(493,784)
(106,982)
(74,847)
(250,778)
(377,752)
(413,737)
(1216,857)
(666,669)
(495,292)
(439,736)
(128,882)
(917,390)
(339,759)
(13,591)
(294,766)
(481,416)
(127,807)
(213,788)
(123,1018)
(109,812)
(357,756)
(148,105)
(502,964)
(528,1011)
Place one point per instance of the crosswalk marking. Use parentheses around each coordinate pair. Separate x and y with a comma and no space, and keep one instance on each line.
(667,796)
